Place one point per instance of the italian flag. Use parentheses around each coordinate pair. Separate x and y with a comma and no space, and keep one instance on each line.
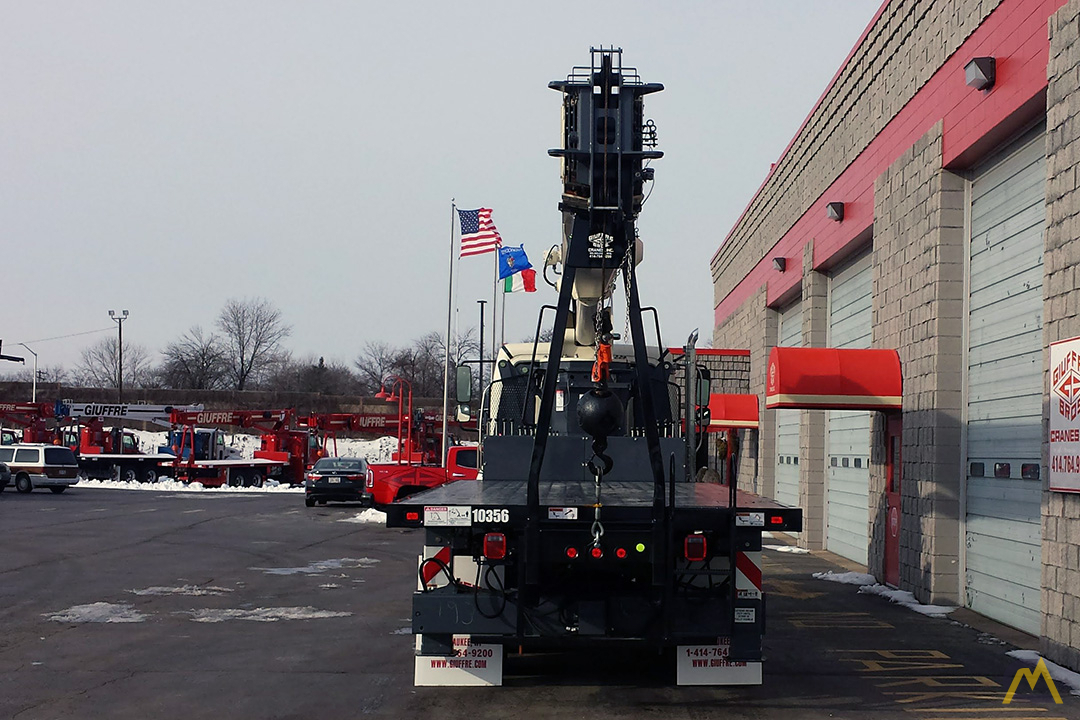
(524,281)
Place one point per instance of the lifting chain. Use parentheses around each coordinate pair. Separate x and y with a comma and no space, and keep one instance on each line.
(599,464)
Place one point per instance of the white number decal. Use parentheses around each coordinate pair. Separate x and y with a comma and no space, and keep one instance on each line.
(490,515)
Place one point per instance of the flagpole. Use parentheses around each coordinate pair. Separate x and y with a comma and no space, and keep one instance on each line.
(494,299)
(449,316)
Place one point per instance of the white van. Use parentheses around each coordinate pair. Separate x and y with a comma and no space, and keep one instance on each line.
(45,466)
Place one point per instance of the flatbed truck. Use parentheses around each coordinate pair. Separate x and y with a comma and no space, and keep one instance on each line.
(586,528)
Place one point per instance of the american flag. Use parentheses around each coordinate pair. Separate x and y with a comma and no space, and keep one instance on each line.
(478,233)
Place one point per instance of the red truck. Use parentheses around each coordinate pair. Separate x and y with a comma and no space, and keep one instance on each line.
(414,465)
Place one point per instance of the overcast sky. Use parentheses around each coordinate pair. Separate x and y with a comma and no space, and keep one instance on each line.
(165,157)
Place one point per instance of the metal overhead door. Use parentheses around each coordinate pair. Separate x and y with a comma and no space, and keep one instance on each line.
(848,470)
(787,421)
(1003,543)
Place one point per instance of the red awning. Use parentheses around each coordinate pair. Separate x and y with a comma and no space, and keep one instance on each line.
(833,379)
(732,411)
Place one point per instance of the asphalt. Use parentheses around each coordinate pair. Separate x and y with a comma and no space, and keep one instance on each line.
(830,651)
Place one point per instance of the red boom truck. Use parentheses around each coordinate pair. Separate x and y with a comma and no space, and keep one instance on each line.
(285,453)
(414,465)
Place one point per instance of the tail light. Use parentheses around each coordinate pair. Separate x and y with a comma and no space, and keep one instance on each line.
(620,553)
(695,547)
(596,552)
(370,479)
(312,476)
(571,552)
(495,546)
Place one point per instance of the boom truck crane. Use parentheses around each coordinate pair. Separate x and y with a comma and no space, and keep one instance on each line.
(414,464)
(200,454)
(32,419)
(584,529)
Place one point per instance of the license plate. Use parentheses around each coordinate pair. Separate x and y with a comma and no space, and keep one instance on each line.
(333,480)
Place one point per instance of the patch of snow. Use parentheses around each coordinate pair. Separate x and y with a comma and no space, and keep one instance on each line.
(402,631)
(320,566)
(190,590)
(847,578)
(371,515)
(167,484)
(903,597)
(766,535)
(329,586)
(99,612)
(1059,673)
(264,614)
(794,549)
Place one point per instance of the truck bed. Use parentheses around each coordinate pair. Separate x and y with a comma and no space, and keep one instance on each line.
(626,501)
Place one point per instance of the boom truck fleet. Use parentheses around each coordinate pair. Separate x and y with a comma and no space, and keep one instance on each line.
(586,528)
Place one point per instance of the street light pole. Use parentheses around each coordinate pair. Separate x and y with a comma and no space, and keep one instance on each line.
(33,391)
(119,318)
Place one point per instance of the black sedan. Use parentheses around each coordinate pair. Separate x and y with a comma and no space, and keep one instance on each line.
(340,478)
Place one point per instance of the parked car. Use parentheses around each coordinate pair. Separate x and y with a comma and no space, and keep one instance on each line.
(43,466)
(340,478)
(5,476)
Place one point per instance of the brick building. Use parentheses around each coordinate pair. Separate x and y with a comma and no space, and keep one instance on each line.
(928,204)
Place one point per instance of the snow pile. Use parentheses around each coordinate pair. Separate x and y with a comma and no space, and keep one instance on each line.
(320,566)
(371,515)
(264,614)
(190,590)
(170,485)
(1060,674)
(868,585)
(848,578)
(793,549)
(99,612)
(903,597)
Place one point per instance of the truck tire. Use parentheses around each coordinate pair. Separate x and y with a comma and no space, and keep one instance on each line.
(236,478)
(256,479)
(149,475)
(57,489)
(309,501)
(128,474)
(22,483)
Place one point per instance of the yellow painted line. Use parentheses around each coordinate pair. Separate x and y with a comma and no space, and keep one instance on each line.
(790,589)
(945,681)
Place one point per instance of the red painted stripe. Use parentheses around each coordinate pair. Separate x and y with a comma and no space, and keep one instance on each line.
(1016,34)
(431,569)
(746,566)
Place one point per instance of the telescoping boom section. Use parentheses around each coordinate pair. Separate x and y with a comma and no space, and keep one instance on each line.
(588,527)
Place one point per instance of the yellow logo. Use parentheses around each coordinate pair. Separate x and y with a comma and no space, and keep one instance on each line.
(1032,677)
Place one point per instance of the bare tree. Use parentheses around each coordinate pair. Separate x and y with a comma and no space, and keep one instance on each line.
(196,361)
(376,361)
(254,331)
(312,376)
(98,365)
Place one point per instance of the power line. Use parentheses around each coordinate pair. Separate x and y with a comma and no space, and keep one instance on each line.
(64,337)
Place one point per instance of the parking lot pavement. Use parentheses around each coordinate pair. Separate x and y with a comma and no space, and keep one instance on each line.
(118,604)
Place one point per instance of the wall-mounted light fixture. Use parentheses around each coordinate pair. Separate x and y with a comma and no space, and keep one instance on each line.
(779,263)
(835,211)
(980,73)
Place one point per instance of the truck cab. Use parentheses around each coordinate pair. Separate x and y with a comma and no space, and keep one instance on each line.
(209,444)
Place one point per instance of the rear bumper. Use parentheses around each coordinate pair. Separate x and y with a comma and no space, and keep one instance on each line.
(342,493)
(43,481)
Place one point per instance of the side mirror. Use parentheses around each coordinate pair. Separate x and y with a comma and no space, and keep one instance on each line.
(464,384)
(464,414)
(702,387)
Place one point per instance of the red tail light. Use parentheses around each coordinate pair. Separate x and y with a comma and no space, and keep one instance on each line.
(597,553)
(571,552)
(495,546)
(370,479)
(412,516)
(776,519)
(695,547)
(620,553)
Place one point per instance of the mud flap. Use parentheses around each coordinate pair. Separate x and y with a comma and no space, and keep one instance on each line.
(711,665)
(470,665)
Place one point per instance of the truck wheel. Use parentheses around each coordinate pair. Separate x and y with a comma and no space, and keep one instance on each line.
(128,475)
(58,488)
(22,483)
(256,479)
(309,502)
(236,479)
(149,475)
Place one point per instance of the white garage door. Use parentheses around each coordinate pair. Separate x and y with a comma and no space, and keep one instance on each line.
(1004,387)
(848,470)
(787,421)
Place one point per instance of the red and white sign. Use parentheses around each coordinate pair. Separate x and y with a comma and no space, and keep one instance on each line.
(1065,415)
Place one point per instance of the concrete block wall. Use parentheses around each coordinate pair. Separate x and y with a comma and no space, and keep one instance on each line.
(749,328)
(1061,296)
(907,43)
(918,308)
(812,423)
